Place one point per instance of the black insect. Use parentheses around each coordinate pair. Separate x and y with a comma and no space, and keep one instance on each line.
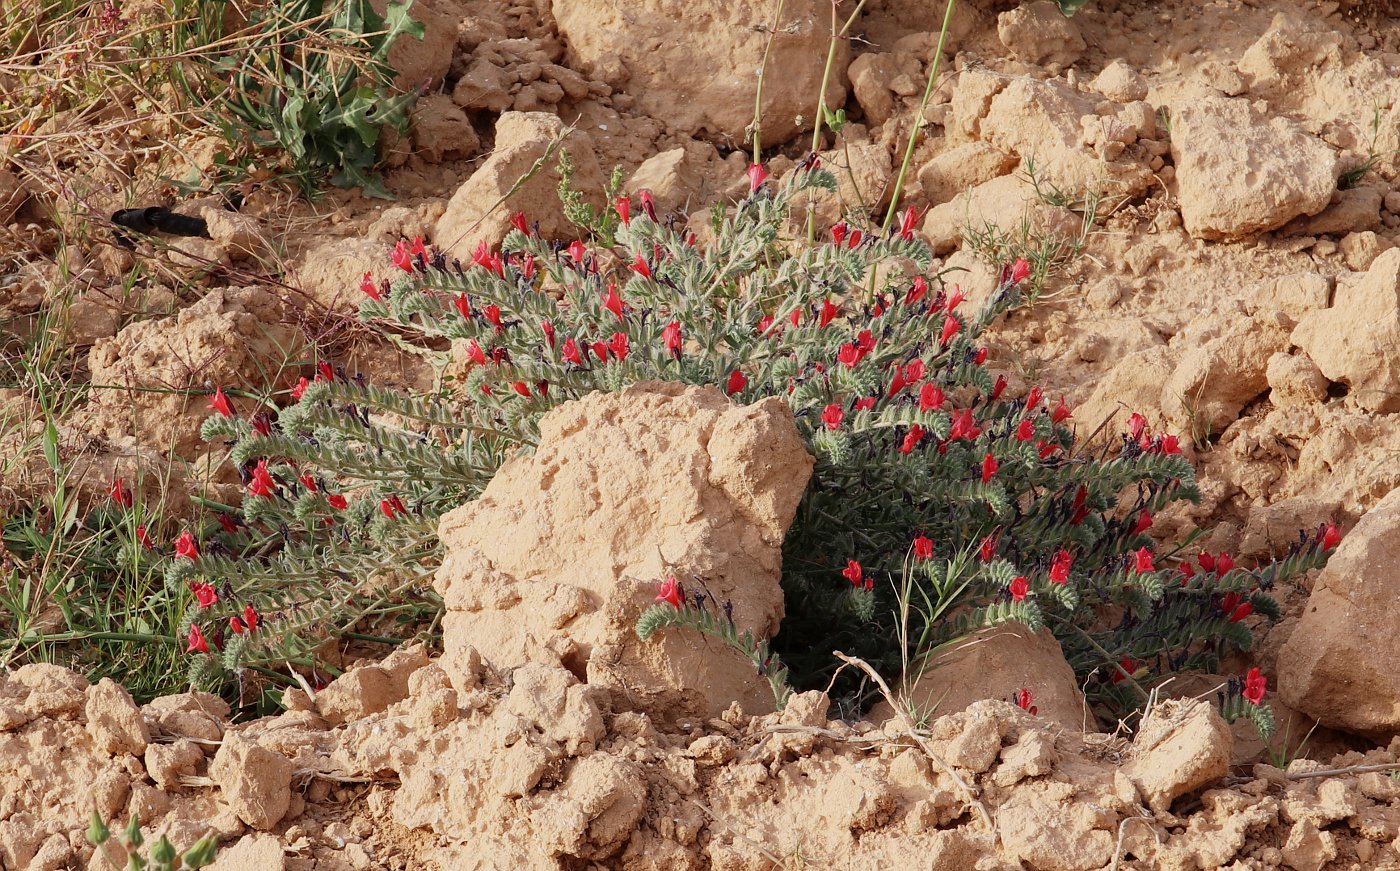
(156,219)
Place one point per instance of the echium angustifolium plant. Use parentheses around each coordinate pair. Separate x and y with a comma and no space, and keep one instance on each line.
(926,468)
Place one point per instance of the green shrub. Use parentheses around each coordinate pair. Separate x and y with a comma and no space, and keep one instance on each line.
(932,485)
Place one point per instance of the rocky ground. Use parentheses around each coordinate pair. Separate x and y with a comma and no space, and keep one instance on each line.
(1184,160)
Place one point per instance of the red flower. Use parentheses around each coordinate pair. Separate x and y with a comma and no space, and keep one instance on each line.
(1019,270)
(648,204)
(1023,701)
(463,305)
(639,266)
(950,329)
(517,221)
(1331,536)
(570,353)
(964,427)
(917,291)
(828,313)
(757,174)
(196,641)
(853,572)
(618,345)
(671,338)
(1025,430)
(204,594)
(765,324)
(548,329)
(989,467)
(600,350)
(1019,588)
(1061,412)
(981,356)
(521,387)
(475,354)
(1170,445)
(251,618)
(368,287)
(987,548)
(402,259)
(1206,560)
(324,372)
(1255,684)
(1241,612)
(854,239)
(337,501)
(1033,398)
(1142,560)
(736,382)
(923,546)
(1223,563)
(493,315)
(865,403)
(955,298)
(185,546)
(392,506)
(1144,522)
(624,209)
(1126,668)
(577,252)
(998,387)
(235,625)
(120,493)
(220,403)
(849,355)
(838,233)
(145,539)
(796,316)
(670,592)
(931,397)
(308,481)
(911,439)
(865,342)
(1059,566)
(832,416)
(487,259)
(612,302)
(299,388)
(907,220)
(261,483)
(1136,424)
(1045,449)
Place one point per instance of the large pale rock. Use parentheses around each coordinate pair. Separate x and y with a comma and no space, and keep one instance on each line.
(1352,341)
(1039,33)
(695,62)
(957,169)
(522,138)
(682,179)
(563,550)
(879,80)
(997,663)
(253,780)
(1002,205)
(1180,747)
(1133,385)
(420,63)
(1240,173)
(114,721)
(1044,827)
(1337,665)
(1214,380)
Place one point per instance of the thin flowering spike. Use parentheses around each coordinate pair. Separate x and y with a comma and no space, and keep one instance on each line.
(757,175)
(221,404)
(369,288)
(736,382)
(832,416)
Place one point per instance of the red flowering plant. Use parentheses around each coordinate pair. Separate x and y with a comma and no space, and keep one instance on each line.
(921,445)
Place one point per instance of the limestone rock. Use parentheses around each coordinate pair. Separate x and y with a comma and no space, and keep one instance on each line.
(1343,340)
(1239,173)
(562,552)
(704,84)
(1134,384)
(1180,747)
(253,780)
(1004,204)
(1039,33)
(950,173)
(1214,379)
(370,688)
(879,79)
(681,179)
(1120,82)
(441,130)
(1354,210)
(114,721)
(419,63)
(1295,380)
(1045,828)
(330,271)
(1335,667)
(521,139)
(996,663)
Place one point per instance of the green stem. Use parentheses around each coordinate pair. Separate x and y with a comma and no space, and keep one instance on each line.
(918,119)
(758,96)
(836,37)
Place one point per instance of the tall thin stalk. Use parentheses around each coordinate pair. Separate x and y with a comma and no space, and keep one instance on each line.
(757,126)
(918,119)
